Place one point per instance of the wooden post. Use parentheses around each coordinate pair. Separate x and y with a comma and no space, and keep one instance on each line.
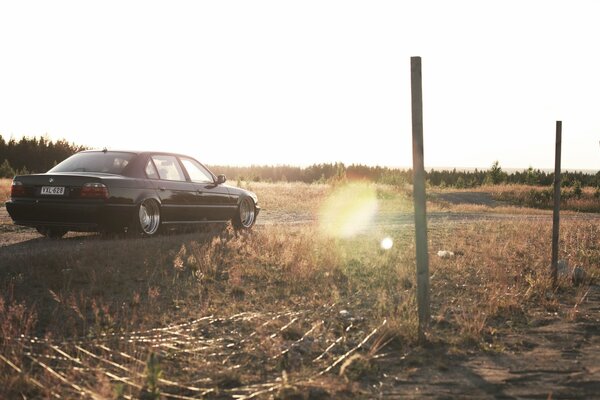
(419,197)
(556,214)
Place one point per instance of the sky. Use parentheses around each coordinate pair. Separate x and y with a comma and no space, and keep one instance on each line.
(303,82)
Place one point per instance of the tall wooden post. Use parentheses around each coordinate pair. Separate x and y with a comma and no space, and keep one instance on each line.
(419,197)
(556,215)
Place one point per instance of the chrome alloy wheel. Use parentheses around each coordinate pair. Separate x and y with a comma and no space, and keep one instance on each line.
(247,212)
(149,217)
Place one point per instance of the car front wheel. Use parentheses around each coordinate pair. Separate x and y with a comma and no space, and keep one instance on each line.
(246,215)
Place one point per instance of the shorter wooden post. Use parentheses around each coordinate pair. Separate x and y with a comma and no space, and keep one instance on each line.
(556,214)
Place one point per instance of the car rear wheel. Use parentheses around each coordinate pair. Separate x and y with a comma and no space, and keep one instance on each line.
(246,215)
(148,217)
(52,233)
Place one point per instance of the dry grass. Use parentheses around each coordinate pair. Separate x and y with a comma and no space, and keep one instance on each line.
(4,189)
(289,197)
(501,280)
(443,206)
(279,310)
(291,283)
(542,197)
(515,199)
(302,199)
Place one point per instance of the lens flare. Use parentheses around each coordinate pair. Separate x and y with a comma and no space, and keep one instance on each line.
(387,243)
(349,210)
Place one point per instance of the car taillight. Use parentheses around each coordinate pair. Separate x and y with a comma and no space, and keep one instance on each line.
(17,189)
(94,190)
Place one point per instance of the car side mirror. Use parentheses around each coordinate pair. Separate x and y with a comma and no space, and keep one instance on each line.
(221,179)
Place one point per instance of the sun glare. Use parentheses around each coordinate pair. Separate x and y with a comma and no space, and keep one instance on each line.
(349,210)
(387,243)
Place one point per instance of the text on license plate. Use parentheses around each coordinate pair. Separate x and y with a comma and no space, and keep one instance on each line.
(53,190)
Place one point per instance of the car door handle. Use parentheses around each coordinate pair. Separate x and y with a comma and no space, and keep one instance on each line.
(161,188)
(199,191)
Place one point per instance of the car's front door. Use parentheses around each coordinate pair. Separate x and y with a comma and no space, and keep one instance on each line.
(213,201)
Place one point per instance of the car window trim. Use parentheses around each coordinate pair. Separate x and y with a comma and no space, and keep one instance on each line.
(155,170)
(213,177)
(188,178)
(185,175)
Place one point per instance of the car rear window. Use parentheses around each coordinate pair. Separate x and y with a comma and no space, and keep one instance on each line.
(110,162)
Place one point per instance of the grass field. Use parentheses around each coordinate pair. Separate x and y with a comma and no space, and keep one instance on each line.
(283,310)
(4,189)
(542,197)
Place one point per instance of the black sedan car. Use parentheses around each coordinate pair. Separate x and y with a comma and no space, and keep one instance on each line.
(116,191)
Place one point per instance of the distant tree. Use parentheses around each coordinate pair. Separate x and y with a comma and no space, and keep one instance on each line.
(532,177)
(22,171)
(6,170)
(35,154)
(495,174)
(338,172)
(565,180)
(577,192)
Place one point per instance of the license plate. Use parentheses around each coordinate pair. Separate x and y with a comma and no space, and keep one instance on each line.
(53,190)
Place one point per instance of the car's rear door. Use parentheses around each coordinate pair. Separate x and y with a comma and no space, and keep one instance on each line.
(176,193)
(213,202)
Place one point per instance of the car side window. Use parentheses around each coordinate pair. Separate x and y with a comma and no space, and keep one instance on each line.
(151,170)
(168,168)
(196,171)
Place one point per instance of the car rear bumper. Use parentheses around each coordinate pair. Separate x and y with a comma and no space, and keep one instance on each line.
(87,216)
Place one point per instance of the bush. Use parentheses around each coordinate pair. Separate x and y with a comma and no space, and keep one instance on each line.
(577,189)
(540,199)
(6,171)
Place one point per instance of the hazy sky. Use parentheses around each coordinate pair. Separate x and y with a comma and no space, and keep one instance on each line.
(299,82)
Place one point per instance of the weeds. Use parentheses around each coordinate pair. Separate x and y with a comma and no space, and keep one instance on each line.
(4,190)
(581,295)
(153,374)
(574,199)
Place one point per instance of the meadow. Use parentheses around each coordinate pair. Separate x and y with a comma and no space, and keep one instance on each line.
(304,306)
(582,200)
(4,190)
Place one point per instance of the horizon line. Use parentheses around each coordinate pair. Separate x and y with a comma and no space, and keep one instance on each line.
(428,168)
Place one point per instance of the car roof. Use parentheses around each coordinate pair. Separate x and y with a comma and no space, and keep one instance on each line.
(137,152)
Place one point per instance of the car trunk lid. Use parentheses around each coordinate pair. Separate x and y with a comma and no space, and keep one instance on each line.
(56,186)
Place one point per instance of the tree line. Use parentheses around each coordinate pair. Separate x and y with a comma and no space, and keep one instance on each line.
(32,155)
(316,173)
(325,173)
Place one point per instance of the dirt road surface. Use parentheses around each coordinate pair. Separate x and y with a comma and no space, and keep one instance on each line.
(552,359)
(477,198)
(11,234)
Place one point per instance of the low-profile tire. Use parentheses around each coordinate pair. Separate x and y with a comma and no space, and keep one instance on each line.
(246,214)
(147,219)
(52,233)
